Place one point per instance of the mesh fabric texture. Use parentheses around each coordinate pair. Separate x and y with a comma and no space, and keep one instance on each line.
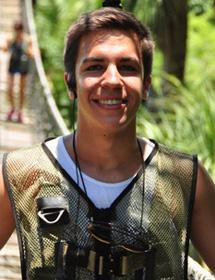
(154,209)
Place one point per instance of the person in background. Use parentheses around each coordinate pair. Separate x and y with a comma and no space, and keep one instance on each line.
(102,202)
(20,49)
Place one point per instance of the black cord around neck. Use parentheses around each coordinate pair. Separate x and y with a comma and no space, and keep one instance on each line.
(77,164)
(143,180)
(73,114)
(79,172)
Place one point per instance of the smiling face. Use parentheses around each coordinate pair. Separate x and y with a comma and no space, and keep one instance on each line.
(109,79)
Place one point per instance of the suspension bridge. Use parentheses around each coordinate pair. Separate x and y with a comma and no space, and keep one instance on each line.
(41,116)
(41,119)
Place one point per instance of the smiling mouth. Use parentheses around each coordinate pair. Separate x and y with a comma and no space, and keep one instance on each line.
(112,101)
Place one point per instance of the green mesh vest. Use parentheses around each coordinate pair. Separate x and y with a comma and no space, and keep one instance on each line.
(62,235)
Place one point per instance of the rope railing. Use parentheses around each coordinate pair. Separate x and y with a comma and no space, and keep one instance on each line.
(49,121)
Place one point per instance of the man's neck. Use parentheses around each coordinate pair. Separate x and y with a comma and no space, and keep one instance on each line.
(106,156)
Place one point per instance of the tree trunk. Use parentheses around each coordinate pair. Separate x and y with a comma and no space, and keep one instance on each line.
(171,35)
(130,5)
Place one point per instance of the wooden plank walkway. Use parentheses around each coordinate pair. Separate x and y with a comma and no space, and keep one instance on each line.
(12,135)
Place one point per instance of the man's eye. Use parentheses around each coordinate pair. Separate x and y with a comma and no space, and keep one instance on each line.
(96,67)
(128,68)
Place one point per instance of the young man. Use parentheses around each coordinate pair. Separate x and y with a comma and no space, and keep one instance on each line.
(20,48)
(102,203)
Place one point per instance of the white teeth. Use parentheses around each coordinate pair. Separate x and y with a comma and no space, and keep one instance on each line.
(110,102)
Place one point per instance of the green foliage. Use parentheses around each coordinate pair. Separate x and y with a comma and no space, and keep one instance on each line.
(146,10)
(199,7)
(201,46)
(186,119)
(185,122)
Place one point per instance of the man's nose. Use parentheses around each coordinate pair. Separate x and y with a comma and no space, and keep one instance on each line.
(112,77)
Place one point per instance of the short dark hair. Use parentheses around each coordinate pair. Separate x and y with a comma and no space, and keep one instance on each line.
(106,18)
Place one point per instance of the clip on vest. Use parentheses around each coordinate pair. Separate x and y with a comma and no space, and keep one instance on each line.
(52,211)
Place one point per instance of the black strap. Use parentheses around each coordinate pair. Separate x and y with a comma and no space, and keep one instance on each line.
(102,250)
(190,213)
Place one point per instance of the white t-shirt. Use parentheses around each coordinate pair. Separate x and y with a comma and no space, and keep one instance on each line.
(95,189)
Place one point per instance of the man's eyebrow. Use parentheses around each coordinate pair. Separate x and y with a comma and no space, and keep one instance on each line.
(128,59)
(92,59)
(100,59)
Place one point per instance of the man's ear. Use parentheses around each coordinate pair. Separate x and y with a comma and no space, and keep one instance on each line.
(146,87)
(71,90)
